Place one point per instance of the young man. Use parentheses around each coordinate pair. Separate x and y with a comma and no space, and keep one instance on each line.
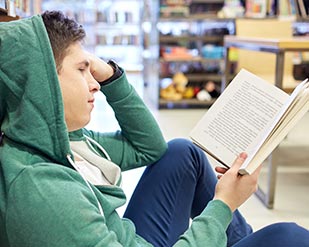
(60,183)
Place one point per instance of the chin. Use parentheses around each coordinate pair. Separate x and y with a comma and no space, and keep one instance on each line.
(79,125)
(84,123)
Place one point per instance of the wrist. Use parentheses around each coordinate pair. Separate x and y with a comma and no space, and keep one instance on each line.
(229,205)
(117,72)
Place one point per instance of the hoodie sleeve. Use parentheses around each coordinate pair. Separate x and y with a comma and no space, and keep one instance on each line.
(209,228)
(140,141)
(52,206)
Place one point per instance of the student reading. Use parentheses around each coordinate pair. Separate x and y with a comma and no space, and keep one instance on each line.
(60,183)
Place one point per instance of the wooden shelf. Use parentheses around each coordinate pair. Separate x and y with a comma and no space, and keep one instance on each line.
(3,11)
(5,18)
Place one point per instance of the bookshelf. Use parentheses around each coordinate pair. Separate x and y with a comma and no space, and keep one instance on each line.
(118,32)
(295,9)
(13,10)
(4,17)
(113,28)
(189,38)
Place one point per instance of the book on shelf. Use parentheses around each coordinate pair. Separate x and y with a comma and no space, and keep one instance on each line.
(303,10)
(252,116)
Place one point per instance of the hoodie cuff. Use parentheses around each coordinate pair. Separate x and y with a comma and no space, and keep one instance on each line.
(117,73)
(220,211)
(117,89)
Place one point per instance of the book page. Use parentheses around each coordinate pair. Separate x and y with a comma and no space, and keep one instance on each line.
(240,118)
(295,108)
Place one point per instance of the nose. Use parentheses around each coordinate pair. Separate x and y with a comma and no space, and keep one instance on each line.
(94,85)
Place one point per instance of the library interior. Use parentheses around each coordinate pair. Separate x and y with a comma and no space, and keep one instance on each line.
(180,55)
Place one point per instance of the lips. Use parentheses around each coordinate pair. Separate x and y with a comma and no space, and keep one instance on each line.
(91,102)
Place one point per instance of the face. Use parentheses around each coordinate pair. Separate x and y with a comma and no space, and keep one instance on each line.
(77,86)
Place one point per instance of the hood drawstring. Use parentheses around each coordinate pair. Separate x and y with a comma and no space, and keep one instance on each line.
(1,137)
(99,147)
(69,158)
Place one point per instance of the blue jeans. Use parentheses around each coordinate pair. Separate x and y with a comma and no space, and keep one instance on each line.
(178,187)
(173,190)
(277,235)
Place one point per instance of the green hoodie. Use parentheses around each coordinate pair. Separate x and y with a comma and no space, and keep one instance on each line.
(43,200)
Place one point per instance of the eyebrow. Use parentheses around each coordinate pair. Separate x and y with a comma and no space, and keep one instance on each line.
(84,62)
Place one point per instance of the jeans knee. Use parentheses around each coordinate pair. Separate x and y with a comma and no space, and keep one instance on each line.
(180,144)
(289,232)
(283,228)
(184,150)
(184,145)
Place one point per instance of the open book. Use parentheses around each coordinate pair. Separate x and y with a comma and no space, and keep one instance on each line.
(251,116)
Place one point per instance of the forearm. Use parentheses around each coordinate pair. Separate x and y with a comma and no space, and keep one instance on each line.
(141,134)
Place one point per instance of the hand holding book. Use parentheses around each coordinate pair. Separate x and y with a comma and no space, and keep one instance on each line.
(251,116)
(233,189)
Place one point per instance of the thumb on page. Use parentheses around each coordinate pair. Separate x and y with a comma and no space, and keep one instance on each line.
(238,162)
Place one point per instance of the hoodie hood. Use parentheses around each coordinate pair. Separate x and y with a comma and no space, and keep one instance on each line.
(31,107)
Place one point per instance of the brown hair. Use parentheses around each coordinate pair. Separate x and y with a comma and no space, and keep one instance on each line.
(62,32)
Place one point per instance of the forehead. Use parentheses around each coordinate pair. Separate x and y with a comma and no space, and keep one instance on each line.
(74,56)
(75,52)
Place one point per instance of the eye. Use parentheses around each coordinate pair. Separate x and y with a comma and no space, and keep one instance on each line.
(81,69)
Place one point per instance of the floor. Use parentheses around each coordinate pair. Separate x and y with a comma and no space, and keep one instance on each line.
(292,186)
